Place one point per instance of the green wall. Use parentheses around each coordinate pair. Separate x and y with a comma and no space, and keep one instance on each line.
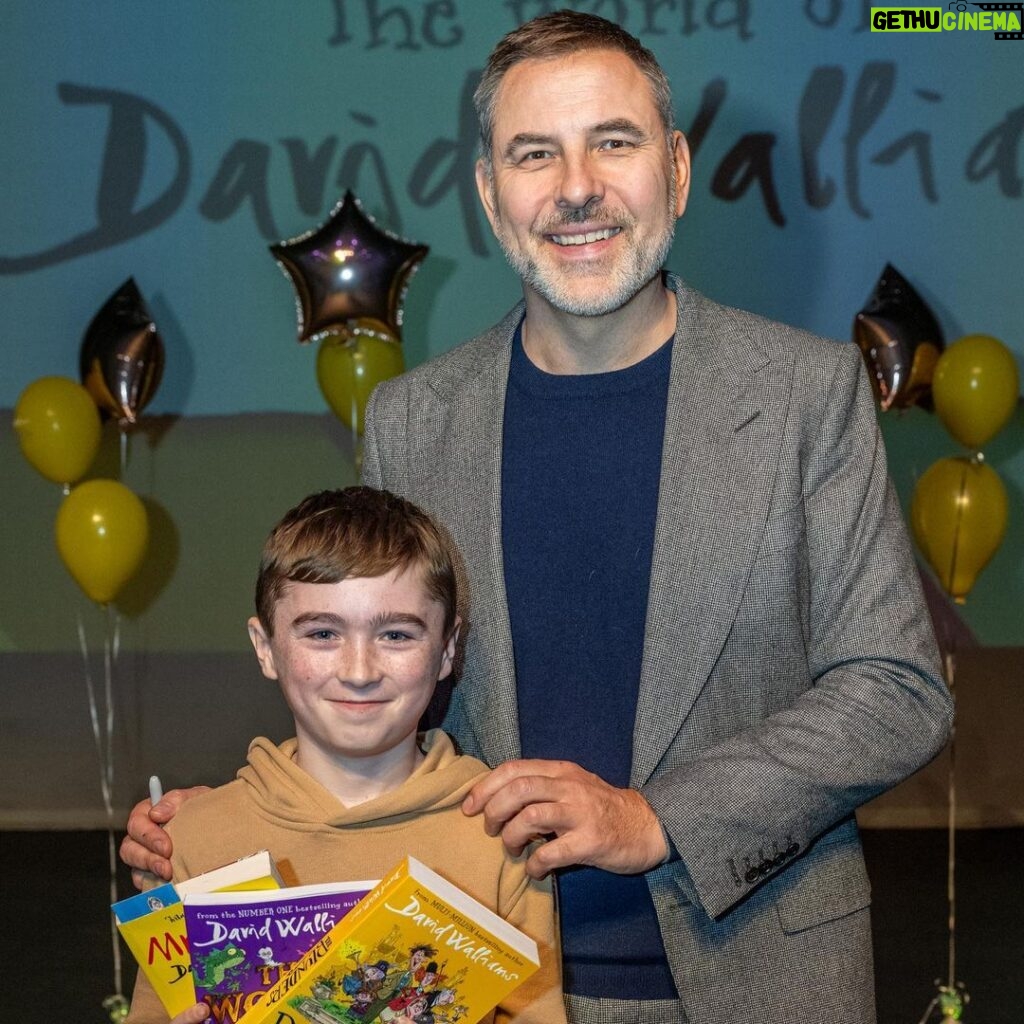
(173,142)
(215,485)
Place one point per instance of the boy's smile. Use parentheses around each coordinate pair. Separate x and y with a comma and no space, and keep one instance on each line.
(357,662)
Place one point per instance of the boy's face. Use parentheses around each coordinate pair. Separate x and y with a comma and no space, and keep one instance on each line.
(357,662)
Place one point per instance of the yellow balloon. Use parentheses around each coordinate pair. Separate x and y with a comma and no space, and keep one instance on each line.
(58,428)
(975,388)
(348,368)
(102,530)
(958,516)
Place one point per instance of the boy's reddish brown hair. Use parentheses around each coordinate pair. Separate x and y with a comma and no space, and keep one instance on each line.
(354,532)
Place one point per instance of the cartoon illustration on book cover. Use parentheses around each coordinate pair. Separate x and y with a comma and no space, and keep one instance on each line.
(220,970)
(385,984)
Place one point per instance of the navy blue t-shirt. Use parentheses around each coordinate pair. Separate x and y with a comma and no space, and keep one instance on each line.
(580,474)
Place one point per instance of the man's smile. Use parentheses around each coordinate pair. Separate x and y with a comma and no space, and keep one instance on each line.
(585,238)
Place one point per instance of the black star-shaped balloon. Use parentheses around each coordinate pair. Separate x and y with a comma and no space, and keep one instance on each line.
(900,340)
(347,270)
(122,357)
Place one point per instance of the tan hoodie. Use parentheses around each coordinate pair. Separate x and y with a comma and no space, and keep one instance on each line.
(274,805)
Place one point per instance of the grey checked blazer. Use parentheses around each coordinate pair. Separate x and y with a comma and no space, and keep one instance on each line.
(789,669)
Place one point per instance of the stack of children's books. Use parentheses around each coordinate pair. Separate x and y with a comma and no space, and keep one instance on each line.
(411,947)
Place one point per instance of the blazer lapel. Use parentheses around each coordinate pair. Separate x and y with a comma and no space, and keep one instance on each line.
(726,409)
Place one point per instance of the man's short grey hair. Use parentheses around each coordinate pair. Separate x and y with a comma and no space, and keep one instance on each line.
(558,35)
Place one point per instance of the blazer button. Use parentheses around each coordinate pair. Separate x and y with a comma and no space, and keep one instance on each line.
(752,875)
(793,849)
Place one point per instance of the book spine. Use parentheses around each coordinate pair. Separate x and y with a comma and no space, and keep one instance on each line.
(267,1010)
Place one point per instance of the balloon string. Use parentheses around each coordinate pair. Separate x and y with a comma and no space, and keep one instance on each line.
(95,718)
(124,448)
(928,1011)
(114,944)
(950,990)
(116,647)
(108,768)
(954,554)
(111,650)
(104,750)
(951,866)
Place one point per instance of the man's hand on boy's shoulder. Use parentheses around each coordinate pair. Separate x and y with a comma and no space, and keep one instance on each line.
(593,822)
(147,848)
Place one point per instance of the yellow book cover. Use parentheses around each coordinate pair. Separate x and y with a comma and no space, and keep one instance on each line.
(152,924)
(415,948)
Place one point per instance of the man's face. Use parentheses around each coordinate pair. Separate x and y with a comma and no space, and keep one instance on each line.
(357,662)
(585,188)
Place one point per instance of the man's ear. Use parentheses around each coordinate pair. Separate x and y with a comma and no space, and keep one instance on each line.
(448,657)
(485,188)
(261,645)
(681,168)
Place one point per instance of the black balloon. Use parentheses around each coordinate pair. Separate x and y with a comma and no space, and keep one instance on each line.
(900,340)
(348,269)
(121,359)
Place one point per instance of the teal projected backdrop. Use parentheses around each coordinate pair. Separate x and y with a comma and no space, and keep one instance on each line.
(174,140)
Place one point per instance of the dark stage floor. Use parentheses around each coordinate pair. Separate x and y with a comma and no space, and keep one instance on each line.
(55,944)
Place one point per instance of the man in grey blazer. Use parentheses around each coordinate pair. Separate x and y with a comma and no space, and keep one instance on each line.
(696,638)
(787,669)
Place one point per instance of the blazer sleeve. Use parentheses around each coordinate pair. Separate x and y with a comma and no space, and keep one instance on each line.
(746,807)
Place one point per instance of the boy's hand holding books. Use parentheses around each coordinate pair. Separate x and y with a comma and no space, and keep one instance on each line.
(147,843)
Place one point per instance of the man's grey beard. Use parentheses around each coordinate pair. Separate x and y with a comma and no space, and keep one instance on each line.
(645,266)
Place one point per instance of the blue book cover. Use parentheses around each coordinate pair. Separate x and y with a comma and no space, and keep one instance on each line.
(143,903)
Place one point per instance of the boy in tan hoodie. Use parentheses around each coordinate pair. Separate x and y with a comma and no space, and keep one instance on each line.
(357,621)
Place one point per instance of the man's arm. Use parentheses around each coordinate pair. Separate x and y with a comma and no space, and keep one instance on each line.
(147,848)
(877,710)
